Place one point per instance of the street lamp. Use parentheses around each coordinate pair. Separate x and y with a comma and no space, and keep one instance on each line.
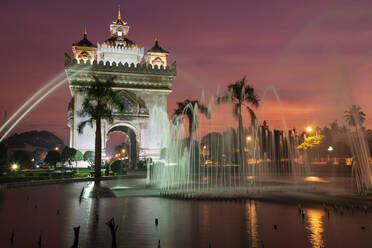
(14,166)
(309,129)
(249,138)
(330,149)
(123,150)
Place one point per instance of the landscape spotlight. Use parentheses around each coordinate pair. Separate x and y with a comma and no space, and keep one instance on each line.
(14,166)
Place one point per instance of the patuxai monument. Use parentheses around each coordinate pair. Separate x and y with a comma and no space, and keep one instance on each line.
(132,68)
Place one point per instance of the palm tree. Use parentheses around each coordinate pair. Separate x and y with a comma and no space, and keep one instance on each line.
(240,95)
(354,115)
(187,108)
(102,103)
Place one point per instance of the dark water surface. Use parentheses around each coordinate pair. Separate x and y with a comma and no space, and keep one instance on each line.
(33,210)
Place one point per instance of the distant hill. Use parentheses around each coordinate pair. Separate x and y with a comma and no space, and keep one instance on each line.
(41,139)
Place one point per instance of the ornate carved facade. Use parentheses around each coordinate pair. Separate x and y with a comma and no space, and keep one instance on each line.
(121,59)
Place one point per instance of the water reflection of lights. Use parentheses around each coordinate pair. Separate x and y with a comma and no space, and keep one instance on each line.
(315,226)
(87,190)
(315,179)
(251,223)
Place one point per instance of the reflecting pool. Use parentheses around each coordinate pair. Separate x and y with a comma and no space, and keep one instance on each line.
(32,211)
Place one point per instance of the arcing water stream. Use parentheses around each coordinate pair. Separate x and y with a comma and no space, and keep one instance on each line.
(33,101)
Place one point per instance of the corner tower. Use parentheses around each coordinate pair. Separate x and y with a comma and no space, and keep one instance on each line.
(157,56)
(84,50)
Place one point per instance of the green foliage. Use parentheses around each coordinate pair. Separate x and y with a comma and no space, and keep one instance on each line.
(78,156)
(89,157)
(117,166)
(68,154)
(22,158)
(52,158)
(310,142)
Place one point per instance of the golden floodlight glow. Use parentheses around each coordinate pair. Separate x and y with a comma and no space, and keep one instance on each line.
(315,179)
(14,166)
(309,129)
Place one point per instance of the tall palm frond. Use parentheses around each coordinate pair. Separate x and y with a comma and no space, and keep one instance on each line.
(187,108)
(102,102)
(354,115)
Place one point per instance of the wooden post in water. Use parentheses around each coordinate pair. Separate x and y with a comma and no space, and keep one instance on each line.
(39,242)
(113,229)
(76,237)
(12,239)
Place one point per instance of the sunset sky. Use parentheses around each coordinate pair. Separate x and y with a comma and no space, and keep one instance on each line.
(317,54)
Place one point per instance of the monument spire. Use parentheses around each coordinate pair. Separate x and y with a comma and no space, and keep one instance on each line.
(85,31)
(119,17)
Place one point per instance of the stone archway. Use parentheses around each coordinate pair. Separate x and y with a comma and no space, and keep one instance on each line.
(129,132)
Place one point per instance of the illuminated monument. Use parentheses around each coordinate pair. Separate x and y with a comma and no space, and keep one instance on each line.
(146,75)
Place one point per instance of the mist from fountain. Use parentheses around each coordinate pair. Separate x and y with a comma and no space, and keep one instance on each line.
(209,166)
(361,156)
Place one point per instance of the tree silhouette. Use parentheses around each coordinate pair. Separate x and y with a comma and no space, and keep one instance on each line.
(354,115)
(187,108)
(101,102)
(240,95)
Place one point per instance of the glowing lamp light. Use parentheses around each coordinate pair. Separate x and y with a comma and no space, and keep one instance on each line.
(120,33)
(249,138)
(309,129)
(123,150)
(330,148)
(14,166)
(56,148)
(204,147)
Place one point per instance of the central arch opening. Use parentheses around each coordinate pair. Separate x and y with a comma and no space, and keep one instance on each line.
(122,144)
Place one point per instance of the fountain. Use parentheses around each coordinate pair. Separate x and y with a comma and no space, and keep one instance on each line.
(196,168)
(34,100)
(208,167)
